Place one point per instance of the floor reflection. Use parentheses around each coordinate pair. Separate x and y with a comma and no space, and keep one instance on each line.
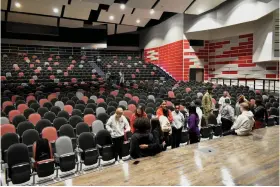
(227,177)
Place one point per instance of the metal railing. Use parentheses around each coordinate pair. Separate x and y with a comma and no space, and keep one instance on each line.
(270,85)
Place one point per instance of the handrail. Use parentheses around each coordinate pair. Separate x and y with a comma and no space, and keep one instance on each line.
(254,82)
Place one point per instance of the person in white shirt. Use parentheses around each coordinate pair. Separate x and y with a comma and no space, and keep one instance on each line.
(198,111)
(177,126)
(222,99)
(117,125)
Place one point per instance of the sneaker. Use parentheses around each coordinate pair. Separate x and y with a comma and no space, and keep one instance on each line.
(121,161)
(116,162)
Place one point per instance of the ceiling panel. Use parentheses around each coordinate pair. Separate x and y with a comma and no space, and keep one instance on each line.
(2,16)
(110,29)
(131,20)
(39,6)
(105,2)
(125,28)
(4,4)
(79,9)
(178,6)
(115,9)
(32,19)
(145,13)
(71,23)
(145,4)
(200,6)
(104,17)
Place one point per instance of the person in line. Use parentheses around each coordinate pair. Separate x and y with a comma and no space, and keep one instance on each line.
(207,102)
(260,114)
(108,77)
(222,99)
(227,115)
(244,122)
(177,126)
(139,113)
(241,99)
(198,111)
(193,121)
(142,143)
(166,129)
(163,110)
(117,125)
(121,79)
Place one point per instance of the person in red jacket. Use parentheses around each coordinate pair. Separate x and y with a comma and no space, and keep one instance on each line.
(139,113)
(163,110)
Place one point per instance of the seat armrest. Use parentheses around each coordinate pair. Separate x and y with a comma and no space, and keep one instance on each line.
(79,150)
(32,160)
(99,146)
(56,155)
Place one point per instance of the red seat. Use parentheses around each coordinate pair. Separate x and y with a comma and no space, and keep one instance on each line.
(50,134)
(22,108)
(13,113)
(34,118)
(69,109)
(135,98)
(85,99)
(7,128)
(100,100)
(127,113)
(171,94)
(7,103)
(29,98)
(43,101)
(89,119)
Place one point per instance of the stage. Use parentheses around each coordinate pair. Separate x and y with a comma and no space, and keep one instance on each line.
(231,160)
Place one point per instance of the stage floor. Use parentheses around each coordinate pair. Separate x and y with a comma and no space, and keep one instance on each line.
(231,160)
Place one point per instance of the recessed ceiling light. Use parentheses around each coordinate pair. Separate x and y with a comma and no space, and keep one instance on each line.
(111,17)
(138,21)
(122,6)
(17,4)
(55,10)
(152,11)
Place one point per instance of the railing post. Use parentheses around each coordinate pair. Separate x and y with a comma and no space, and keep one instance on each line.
(245,82)
(223,81)
(254,84)
(274,86)
(230,82)
(263,85)
(237,82)
(268,85)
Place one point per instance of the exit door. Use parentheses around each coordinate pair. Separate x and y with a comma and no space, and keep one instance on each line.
(197,74)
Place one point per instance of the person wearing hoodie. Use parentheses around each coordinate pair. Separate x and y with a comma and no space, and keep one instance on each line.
(244,122)
(117,125)
(139,113)
(164,111)
(142,142)
(260,114)
(177,126)
(193,122)
(227,115)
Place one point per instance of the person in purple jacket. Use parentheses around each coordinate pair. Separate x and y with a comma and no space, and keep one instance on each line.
(193,122)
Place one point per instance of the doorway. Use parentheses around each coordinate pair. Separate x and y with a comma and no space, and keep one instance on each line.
(197,74)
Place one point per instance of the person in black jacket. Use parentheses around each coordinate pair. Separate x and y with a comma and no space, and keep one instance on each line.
(260,114)
(157,133)
(142,143)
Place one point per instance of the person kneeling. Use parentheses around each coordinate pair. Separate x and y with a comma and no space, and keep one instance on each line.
(244,122)
(142,143)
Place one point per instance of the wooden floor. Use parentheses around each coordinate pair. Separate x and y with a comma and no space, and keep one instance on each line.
(230,160)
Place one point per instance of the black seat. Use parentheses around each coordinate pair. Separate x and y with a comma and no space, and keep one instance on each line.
(55,109)
(74,120)
(28,112)
(23,126)
(19,169)
(42,111)
(18,119)
(6,141)
(89,151)
(77,112)
(103,117)
(104,142)
(50,116)
(41,124)
(63,114)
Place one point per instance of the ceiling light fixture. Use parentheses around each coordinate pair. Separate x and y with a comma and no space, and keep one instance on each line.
(17,4)
(55,10)
(111,17)
(152,11)
(138,21)
(122,6)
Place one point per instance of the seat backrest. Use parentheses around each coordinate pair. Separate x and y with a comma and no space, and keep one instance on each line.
(18,119)
(89,119)
(4,120)
(23,126)
(12,114)
(22,108)
(63,145)
(100,110)
(66,130)
(97,126)
(42,150)
(50,134)
(82,127)
(74,120)
(7,140)
(30,136)
(34,118)
(86,141)
(13,154)
(7,128)
(68,108)
(103,137)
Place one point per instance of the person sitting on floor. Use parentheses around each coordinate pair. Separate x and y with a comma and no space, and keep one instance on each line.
(260,114)
(142,142)
(244,122)
(139,113)
(227,115)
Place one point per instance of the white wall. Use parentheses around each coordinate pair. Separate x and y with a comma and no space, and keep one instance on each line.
(231,13)
(164,33)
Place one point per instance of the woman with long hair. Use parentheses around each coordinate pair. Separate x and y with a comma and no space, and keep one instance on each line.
(193,122)
(157,132)
(139,113)
(163,110)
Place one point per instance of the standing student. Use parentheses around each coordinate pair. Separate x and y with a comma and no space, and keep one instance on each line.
(139,113)
(117,125)
(227,115)
(177,126)
(207,102)
(163,110)
(223,98)
(193,125)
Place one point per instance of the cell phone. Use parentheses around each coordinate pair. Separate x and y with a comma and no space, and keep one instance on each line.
(136,162)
